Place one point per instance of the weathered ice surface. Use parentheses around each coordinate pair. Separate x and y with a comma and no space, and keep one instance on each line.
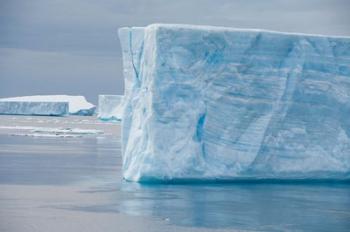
(34,108)
(207,103)
(110,107)
(47,105)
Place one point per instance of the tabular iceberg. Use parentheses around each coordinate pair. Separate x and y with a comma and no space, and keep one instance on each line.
(208,103)
(110,107)
(56,105)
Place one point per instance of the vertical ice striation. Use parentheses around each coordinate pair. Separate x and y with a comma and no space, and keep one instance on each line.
(208,103)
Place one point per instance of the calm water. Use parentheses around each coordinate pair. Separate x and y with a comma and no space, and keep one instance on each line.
(94,164)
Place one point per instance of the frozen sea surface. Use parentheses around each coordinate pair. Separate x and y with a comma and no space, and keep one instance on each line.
(75,184)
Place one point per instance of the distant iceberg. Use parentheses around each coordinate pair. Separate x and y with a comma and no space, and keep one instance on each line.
(211,103)
(110,107)
(51,105)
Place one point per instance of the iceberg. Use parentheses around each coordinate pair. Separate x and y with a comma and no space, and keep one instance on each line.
(110,107)
(225,104)
(55,105)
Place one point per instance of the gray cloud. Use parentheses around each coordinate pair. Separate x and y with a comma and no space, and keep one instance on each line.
(62,46)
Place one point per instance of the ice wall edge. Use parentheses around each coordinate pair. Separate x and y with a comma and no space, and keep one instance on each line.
(221,104)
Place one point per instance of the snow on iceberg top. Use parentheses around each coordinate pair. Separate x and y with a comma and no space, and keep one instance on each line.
(157,26)
(76,103)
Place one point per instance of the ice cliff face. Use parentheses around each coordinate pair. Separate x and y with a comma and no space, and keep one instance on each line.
(57,105)
(34,108)
(110,107)
(206,103)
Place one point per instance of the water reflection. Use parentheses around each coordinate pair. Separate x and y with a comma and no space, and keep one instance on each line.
(95,162)
(243,206)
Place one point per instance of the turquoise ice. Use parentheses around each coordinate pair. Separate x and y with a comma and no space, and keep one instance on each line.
(210,103)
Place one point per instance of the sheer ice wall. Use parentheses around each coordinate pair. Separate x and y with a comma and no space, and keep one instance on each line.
(208,103)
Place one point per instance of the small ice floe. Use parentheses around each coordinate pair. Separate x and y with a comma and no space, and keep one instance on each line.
(52,131)
(49,135)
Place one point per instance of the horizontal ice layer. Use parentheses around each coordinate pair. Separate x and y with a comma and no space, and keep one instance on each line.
(206,103)
(46,105)
(34,108)
(110,107)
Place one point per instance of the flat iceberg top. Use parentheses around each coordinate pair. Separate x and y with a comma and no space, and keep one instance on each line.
(212,103)
(76,103)
(214,29)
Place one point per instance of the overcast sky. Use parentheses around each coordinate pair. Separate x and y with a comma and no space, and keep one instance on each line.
(71,46)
